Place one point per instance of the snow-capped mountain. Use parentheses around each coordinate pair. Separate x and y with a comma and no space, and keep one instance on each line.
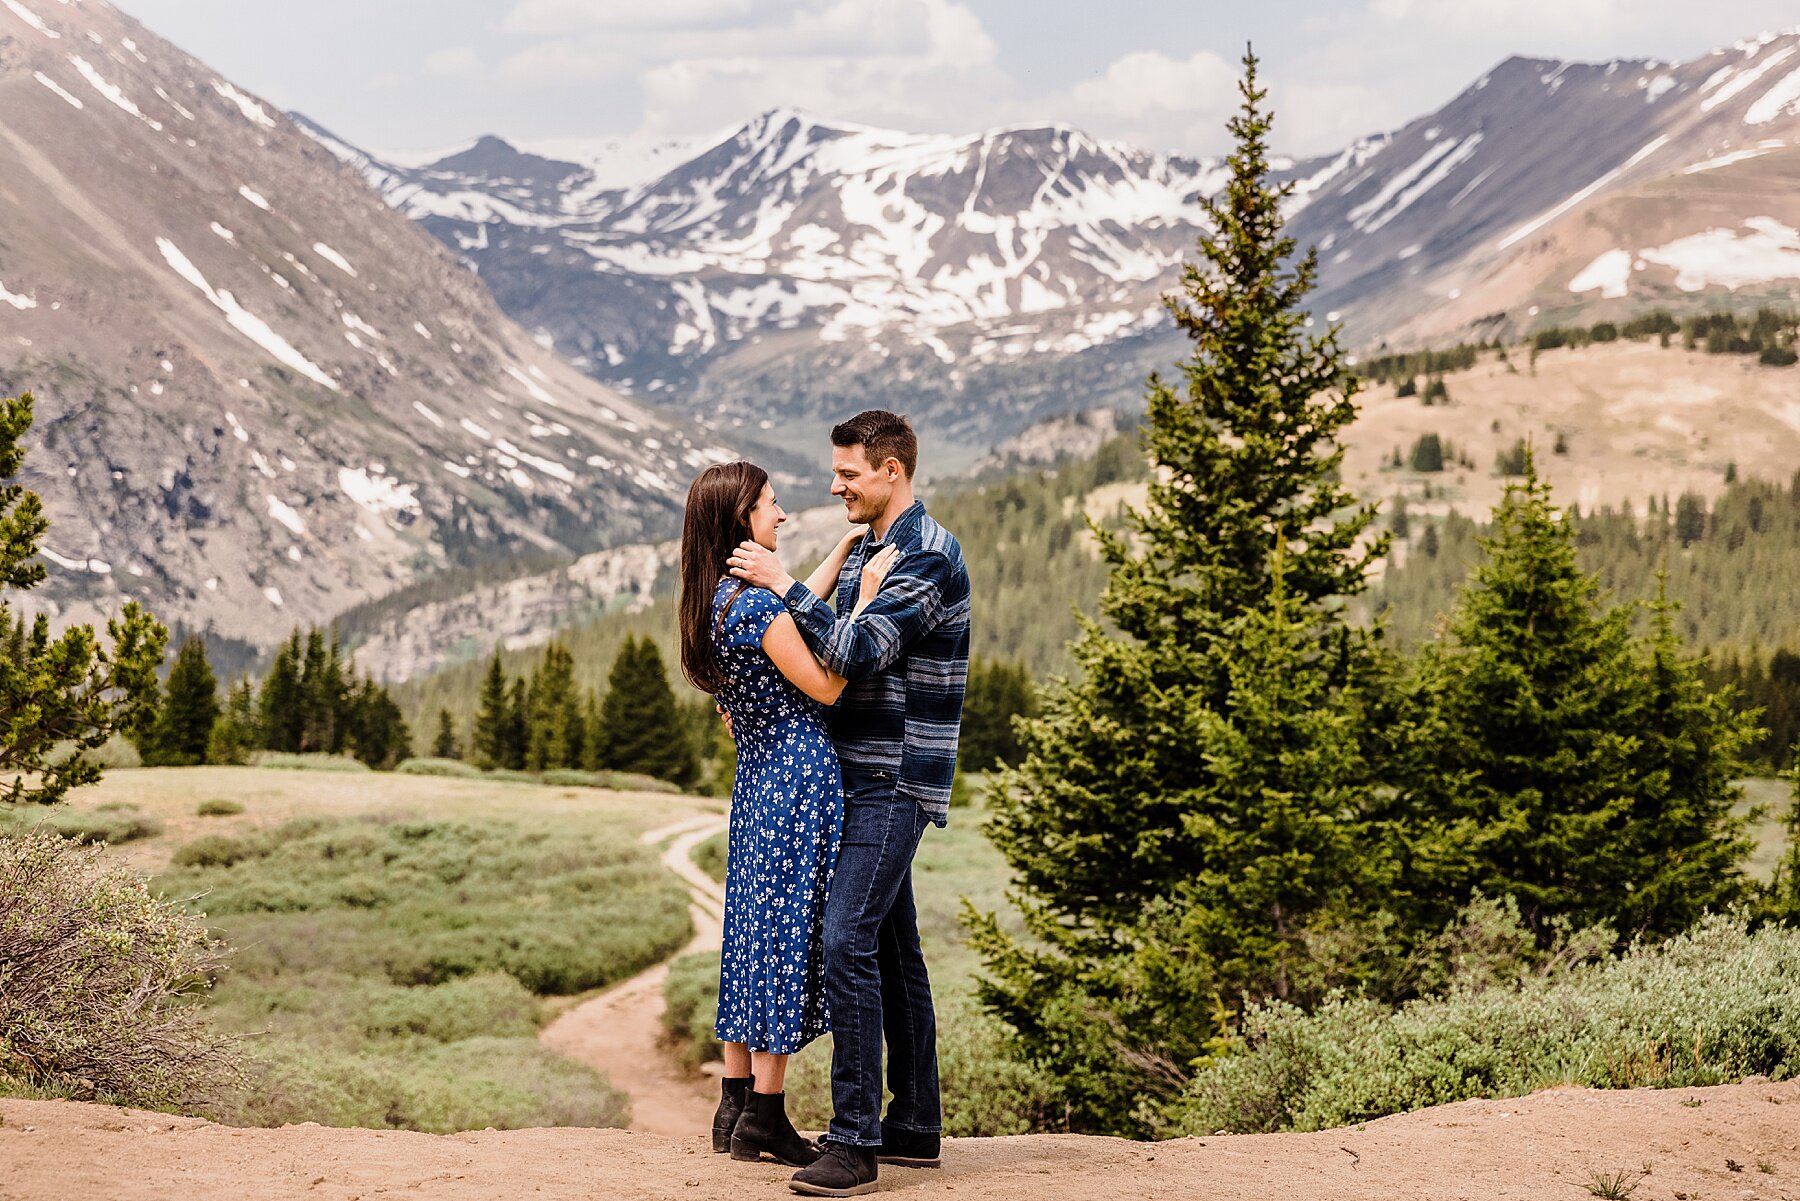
(262,394)
(798,268)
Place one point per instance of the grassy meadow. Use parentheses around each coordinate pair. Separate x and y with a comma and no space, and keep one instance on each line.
(400,939)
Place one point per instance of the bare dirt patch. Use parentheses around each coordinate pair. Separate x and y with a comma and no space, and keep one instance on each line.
(1551,1145)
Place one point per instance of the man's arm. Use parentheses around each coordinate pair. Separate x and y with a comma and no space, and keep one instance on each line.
(909,606)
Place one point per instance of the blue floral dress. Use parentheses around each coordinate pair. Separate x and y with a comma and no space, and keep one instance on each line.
(787,809)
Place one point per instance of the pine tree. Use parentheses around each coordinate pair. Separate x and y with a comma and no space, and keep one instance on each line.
(516,733)
(376,731)
(640,728)
(282,717)
(185,716)
(593,739)
(1683,841)
(997,692)
(489,741)
(445,746)
(237,731)
(1117,830)
(1586,767)
(60,698)
(548,696)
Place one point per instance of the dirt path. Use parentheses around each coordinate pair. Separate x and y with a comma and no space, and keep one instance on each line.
(619,1032)
(1549,1147)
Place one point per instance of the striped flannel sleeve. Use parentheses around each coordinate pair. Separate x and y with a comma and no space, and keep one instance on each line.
(908,607)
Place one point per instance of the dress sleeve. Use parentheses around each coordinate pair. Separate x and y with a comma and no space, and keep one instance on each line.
(750,617)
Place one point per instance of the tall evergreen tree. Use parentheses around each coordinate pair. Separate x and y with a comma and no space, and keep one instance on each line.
(60,698)
(1119,833)
(445,745)
(283,720)
(1782,898)
(375,730)
(1590,775)
(551,686)
(185,717)
(489,741)
(640,728)
(516,733)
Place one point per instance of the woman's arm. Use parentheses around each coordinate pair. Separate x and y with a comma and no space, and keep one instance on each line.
(794,659)
(823,581)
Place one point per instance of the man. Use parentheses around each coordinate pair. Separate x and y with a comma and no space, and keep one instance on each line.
(896,726)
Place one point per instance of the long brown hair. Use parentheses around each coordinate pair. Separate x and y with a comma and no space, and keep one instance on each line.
(717,519)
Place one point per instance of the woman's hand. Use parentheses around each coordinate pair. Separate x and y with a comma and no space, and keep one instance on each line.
(851,539)
(875,571)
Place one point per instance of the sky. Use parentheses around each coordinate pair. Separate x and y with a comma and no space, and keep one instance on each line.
(410,78)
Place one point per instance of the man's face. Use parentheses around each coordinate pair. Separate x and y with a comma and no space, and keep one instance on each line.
(864,488)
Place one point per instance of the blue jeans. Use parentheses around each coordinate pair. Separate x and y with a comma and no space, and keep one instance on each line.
(875,970)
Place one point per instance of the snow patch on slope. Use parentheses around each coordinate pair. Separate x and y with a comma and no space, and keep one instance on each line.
(1770,251)
(1610,272)
(245,322)
(253,112)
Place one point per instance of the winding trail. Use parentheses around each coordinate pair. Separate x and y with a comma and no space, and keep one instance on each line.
(619,1033)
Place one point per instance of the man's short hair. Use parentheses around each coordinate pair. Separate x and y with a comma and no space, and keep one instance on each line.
(883,436)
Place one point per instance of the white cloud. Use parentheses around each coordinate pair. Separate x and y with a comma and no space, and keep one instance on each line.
(1153,99)
(571,16)
(455,63)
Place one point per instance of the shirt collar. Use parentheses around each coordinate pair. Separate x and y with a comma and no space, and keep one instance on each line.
(903,524)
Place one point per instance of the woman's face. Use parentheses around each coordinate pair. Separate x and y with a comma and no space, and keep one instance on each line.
(766,518)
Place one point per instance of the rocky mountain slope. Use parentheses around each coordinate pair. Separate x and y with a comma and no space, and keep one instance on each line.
(799,268)
(263,395)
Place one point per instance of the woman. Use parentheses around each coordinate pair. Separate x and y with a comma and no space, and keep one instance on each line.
(740,644)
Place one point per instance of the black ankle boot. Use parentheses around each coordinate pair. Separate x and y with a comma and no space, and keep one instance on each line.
(733,1094)
(764,1129)
(842,1171)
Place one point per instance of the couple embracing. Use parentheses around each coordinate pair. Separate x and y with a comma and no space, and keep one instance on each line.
(846,717)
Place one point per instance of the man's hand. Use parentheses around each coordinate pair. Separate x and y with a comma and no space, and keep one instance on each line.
(758,565)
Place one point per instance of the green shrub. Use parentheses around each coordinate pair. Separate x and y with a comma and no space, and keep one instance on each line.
(506,1083)
(95,973)
(219,808)
(112,827)
(691,1007)
(1713,1005)
(213,850)
(490,1005)
(439,767)
(287,761)
(514,777)
(710,856)
(617,781)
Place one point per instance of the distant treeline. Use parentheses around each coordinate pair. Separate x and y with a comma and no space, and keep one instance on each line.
(1770,334)
(1733,566)
(311,701)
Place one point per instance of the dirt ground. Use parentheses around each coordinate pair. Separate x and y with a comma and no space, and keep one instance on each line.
(1540,1148)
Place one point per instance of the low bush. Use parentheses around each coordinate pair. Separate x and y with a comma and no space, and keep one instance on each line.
(710,857)
(691,1007)
(95,978)
(506,1083)
(114,826)
(287,761)
(219,809)
(491,1005)
(454,768)
(213,850)
(617,781)
(1716,1004)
